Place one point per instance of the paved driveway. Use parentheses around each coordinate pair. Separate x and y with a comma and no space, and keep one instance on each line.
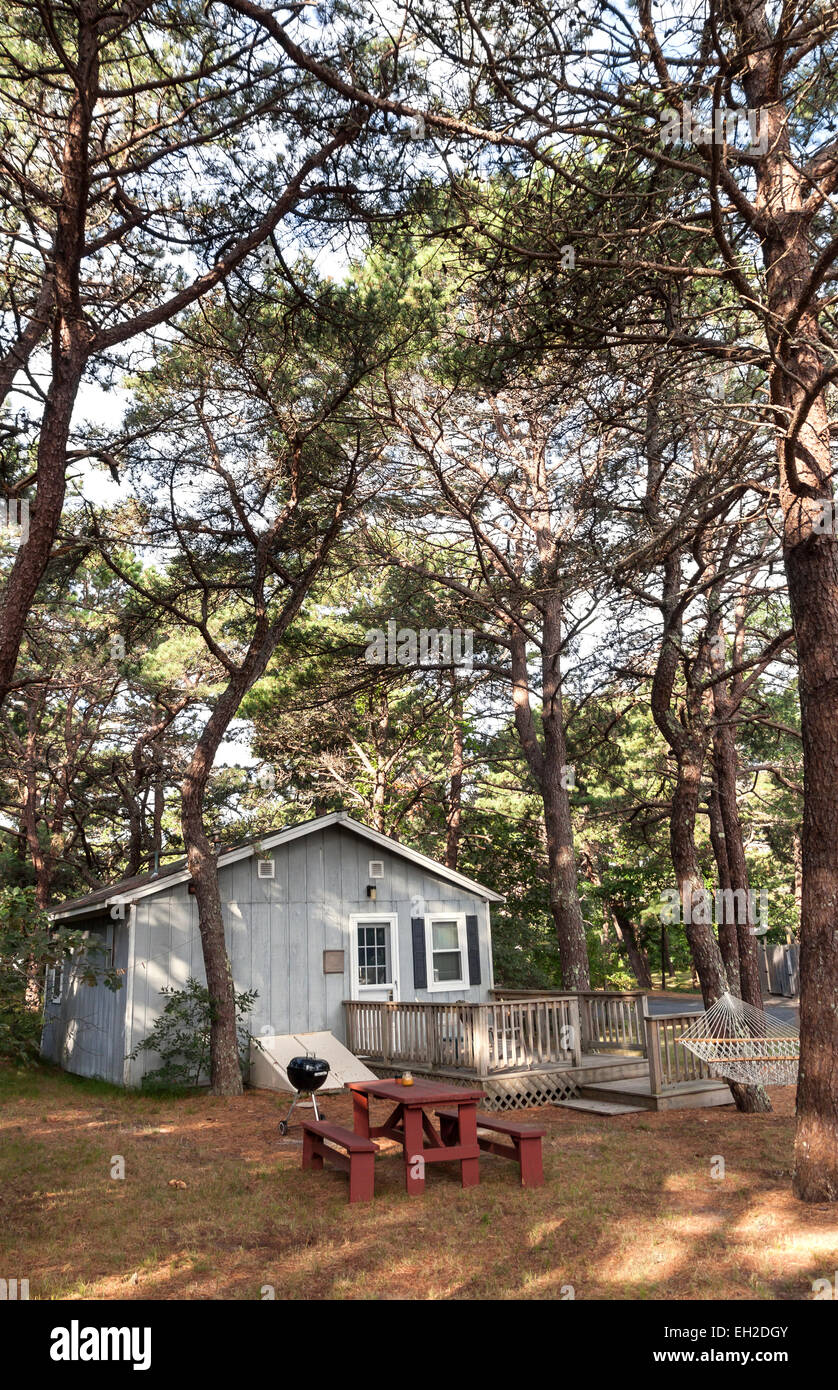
(786,1009)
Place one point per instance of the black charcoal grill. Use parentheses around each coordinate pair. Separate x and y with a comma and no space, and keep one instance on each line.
(306,1075)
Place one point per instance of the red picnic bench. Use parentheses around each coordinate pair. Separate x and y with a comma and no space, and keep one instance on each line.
(525,1147)
(358,1158)
(409,1125)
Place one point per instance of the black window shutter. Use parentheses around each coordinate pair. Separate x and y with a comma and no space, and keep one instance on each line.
(420,957)
(473,941)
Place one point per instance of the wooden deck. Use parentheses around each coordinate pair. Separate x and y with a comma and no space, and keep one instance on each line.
(599,1051)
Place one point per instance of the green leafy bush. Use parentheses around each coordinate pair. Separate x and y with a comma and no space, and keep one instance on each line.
(181,1037)
(620,979)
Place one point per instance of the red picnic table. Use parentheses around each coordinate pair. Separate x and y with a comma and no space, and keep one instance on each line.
(411,1126)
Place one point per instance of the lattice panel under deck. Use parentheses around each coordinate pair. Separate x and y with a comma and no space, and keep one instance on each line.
(505,1092)
(520,1092)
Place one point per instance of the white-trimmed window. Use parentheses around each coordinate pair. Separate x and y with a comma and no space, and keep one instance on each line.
(445,942)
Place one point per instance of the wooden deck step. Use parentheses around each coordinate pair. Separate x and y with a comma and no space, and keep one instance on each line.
(601,1107)
(599,1067)
(636,1091)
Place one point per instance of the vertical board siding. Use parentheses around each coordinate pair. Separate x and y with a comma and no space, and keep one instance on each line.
(395,885)
(84,1033)
(236,885)
(299,994)
(314,981)
(297,853)
(278,1018)
(335,932)
(181,924)
(260,956)
(353,871)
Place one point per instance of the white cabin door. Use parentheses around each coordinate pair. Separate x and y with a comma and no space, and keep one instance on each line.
(375,957)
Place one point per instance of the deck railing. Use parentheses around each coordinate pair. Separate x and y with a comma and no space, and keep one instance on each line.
(522,1033)
(483,1039)
(669,1062)
(610,1020)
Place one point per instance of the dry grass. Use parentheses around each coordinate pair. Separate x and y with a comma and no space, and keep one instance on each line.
(629,1209)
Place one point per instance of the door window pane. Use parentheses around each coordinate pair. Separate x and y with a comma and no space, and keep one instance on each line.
(373,954)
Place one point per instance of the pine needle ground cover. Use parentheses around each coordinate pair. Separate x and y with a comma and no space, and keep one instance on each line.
(214,1205)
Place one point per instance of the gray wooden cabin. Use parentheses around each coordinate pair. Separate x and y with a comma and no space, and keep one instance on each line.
(315,914)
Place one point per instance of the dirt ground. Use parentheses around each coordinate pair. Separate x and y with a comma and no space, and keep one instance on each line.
(214,1204)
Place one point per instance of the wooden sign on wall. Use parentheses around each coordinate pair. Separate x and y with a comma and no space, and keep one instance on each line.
(333,962)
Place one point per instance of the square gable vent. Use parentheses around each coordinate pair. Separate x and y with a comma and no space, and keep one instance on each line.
(376,868)
(265,868)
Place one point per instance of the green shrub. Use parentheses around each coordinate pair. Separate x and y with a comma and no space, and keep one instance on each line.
(181,1037)
(620,979)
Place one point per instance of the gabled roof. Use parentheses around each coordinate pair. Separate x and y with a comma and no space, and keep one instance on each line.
(145,884)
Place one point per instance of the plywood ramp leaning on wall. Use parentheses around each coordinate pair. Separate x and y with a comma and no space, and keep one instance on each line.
(270,1055)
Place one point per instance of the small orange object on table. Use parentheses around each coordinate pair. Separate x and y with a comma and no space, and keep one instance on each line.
(411,1126)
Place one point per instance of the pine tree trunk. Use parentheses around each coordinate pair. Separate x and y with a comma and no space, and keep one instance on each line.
(454,814)
(702,941)
(225,1069)
(638,959)
(728,942)
(789,246)
(548,765)
(666,959)
(798,884)
(564,886)
(750,1099)
(811,561)
(726,764)
(70,348)
(813,584)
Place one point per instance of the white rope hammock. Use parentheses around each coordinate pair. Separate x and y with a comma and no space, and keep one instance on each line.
(742,1043)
